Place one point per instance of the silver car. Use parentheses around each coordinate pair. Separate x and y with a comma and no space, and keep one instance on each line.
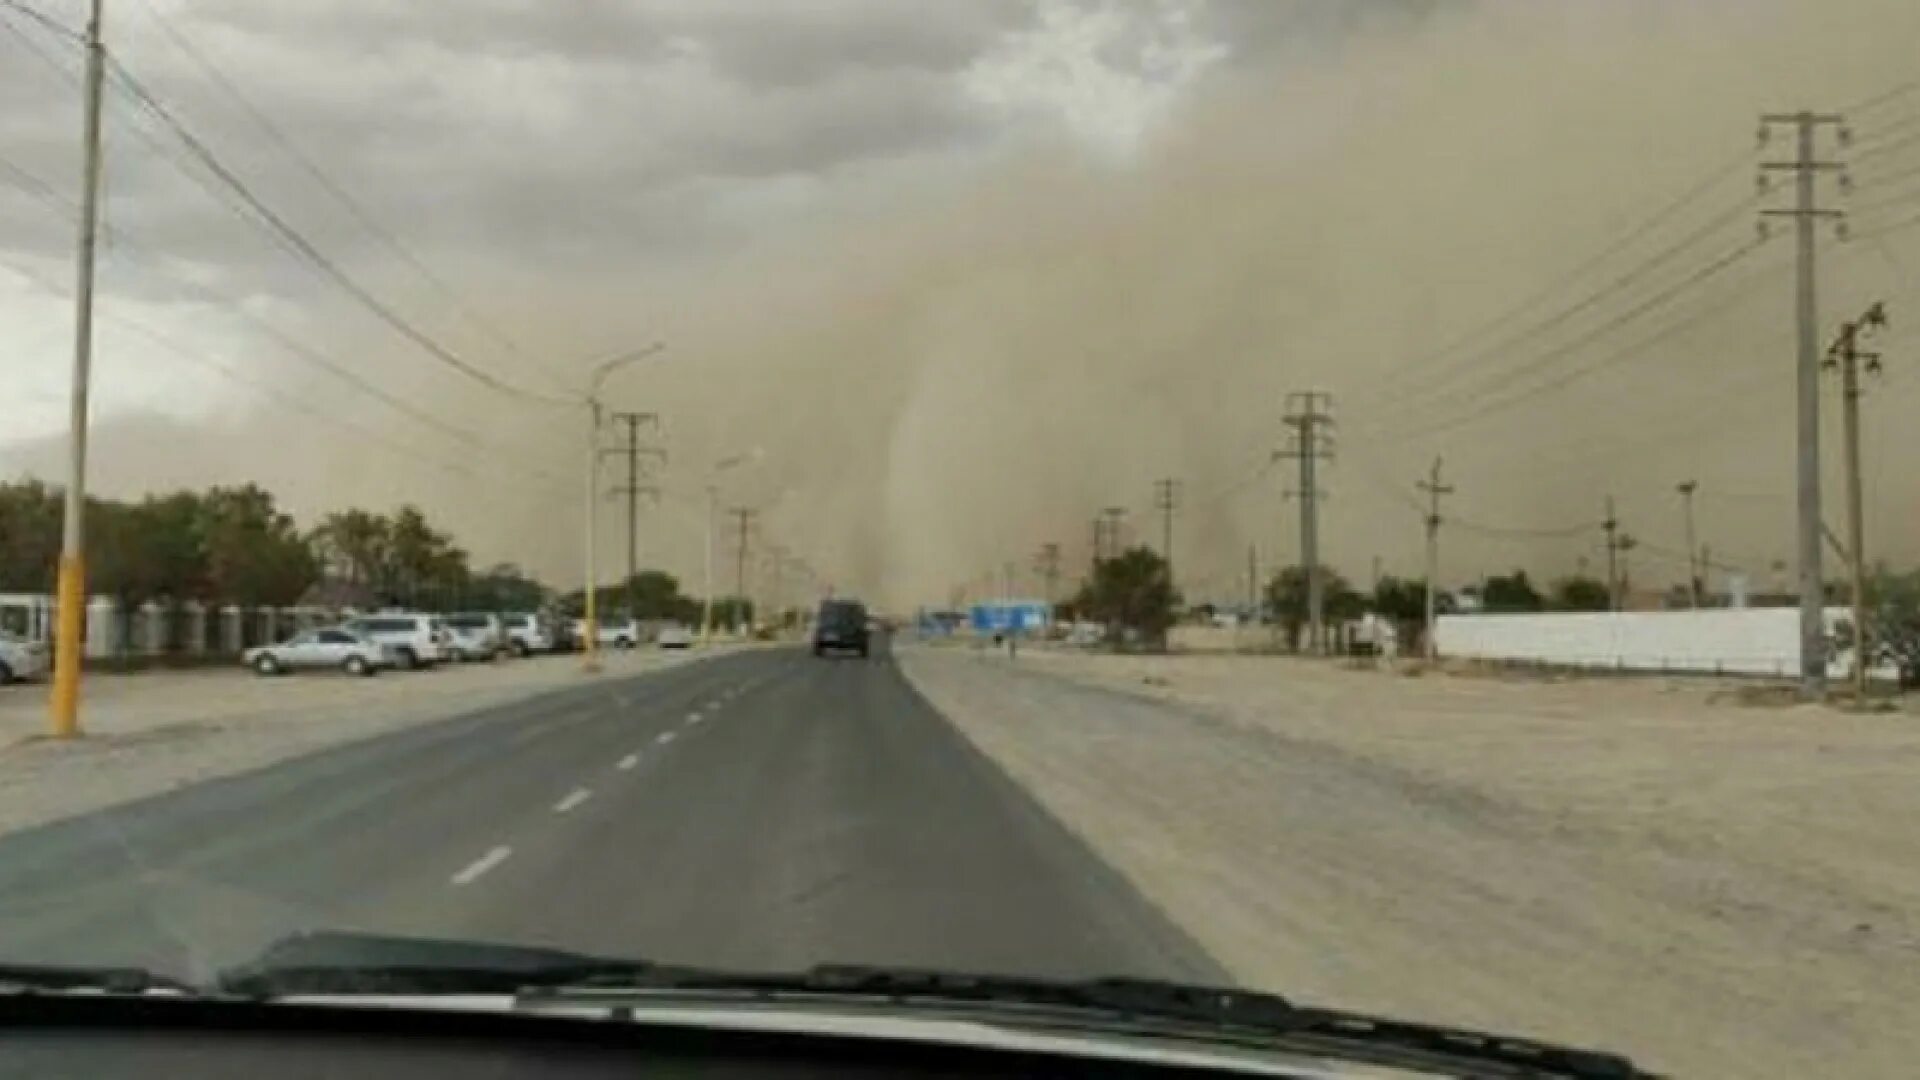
(20,658)
(333,648)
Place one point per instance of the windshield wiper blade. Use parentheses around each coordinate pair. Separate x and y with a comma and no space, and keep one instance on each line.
(54,978)
(1215,1012)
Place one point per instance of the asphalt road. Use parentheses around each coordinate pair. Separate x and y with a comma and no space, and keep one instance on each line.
(762,810)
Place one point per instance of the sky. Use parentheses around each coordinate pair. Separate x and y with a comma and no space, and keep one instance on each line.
(954,277)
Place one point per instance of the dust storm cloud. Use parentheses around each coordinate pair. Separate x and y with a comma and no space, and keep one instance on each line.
(949,362)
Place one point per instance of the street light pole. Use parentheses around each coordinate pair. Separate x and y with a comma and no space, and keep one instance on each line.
(713,510)
(64,703)
(590,624)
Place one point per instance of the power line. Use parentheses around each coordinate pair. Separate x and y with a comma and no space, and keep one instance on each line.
(340,195)
(1502,404)
(46,21)
(312,255)
(1719,174)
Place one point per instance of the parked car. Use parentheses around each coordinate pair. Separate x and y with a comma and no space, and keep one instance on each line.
(612,633)
(528,634)
(20,658)
(476,636)
(674,637)
(330,648)
(417,640)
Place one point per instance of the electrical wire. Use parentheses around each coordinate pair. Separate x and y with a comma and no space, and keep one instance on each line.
(280,227)
(1533,329)
(340,195)
(1666,296)
(47,22)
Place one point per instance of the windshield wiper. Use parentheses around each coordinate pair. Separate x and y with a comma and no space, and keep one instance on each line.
(335,963)
(1135,1003)
(53,978)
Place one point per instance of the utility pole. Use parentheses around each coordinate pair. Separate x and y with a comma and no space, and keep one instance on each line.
(1611,526)
(1846,355)
(740,617)
(1686,489)
(1166,495)
(1047,563)
(1308,414)
(71,590)
(1116,518)
(1434,489)
(1805,166)
(1253,582)
(633,489)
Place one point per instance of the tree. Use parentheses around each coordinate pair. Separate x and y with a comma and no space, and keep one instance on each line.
(29,536)
(1287,598)
(1511,593)
(148,550)
(1580,593)
(1132,591)
(254,553)
(504,587)
(352,545)
(1893,613)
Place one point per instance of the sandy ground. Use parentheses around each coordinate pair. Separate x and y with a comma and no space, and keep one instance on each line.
(1716,890)
(156,731)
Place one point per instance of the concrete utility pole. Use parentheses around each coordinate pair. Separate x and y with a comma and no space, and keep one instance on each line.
(1804,166)
(1617,542)
(1253,582)
(633,489)
(1166,496)
(1846,355)
(1686,489)
(740,618)
(1434,489)
(1308,415)
(590,621)
(71,589)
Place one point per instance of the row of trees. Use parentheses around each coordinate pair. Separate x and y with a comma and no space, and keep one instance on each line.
(235,545)
(1132,593)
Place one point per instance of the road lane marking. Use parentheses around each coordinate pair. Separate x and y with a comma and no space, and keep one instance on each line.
(629,762)
(714,704)
(528,734)
(574,798)
(481,865)
(693,718)
(664,738)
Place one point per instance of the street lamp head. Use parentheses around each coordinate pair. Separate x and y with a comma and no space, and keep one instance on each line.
(606,367)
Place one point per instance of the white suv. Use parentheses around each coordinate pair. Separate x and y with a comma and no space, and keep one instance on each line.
(528,634)
(20,658)
(477,636)
(416,640)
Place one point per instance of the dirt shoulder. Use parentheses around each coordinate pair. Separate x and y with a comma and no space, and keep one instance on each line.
(1715,890)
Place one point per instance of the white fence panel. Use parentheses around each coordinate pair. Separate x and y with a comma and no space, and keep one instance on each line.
(1746,641)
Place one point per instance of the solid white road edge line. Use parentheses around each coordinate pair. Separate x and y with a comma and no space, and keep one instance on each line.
(481,865)
(574,798)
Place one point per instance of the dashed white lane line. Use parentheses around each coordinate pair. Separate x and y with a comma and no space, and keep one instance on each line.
(663,738)
(574,798)
(629,762)
(528,734)
(481,865)
(714,704)
(693,718)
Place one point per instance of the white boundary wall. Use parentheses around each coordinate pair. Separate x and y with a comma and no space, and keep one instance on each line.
(1747,641)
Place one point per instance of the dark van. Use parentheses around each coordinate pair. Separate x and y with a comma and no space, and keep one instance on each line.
(842,625)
